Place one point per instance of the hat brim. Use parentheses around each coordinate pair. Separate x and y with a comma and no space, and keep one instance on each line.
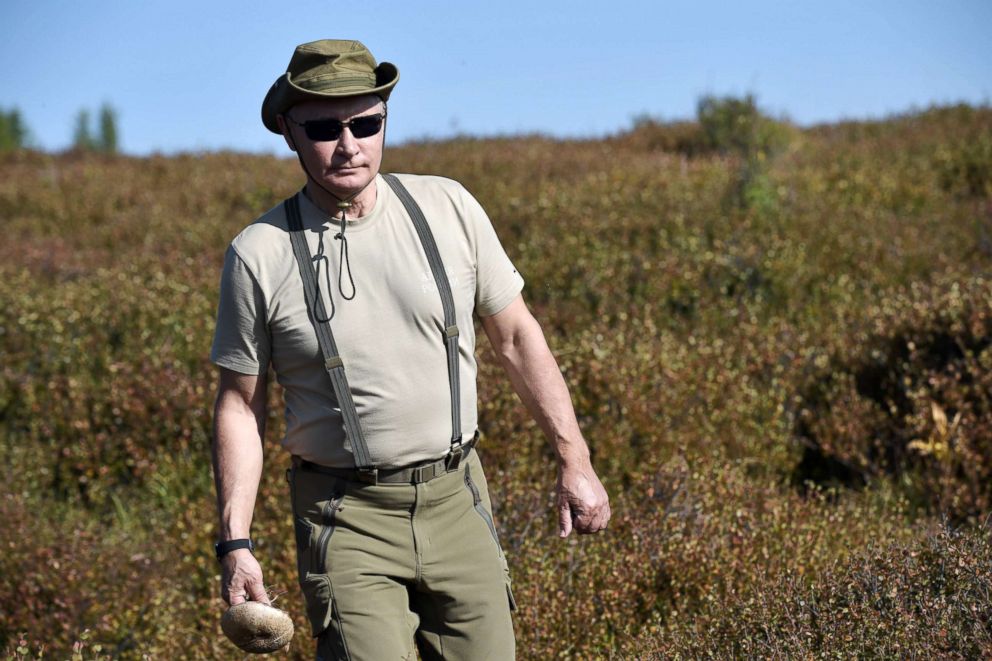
(283,94)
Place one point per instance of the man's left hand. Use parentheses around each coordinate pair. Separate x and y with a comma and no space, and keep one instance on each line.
(582,502)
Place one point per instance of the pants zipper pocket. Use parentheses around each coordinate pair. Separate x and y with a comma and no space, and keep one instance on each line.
(327,516)
(477,498)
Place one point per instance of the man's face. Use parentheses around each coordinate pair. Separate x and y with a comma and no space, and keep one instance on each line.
(344,165)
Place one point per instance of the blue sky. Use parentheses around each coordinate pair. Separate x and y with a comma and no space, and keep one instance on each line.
(190,76)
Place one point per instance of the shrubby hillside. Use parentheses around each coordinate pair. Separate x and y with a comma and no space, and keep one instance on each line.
(778,341)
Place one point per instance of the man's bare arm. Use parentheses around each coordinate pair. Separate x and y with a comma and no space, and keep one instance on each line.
(239,425)
(519,341)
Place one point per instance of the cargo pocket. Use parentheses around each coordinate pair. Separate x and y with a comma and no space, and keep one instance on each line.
(330,642)
(320,601)
(313,522)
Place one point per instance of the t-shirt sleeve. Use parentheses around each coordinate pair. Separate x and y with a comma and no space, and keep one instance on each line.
(497,280)
(241,339)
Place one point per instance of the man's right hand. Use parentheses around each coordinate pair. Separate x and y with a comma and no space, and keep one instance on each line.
(241,578)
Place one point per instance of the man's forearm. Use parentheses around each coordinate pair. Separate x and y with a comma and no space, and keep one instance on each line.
(536,378)
(581,500)
(237,457)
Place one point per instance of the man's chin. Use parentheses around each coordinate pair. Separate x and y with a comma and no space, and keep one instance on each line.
(347,181)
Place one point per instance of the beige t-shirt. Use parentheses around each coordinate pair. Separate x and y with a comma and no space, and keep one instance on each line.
(389,335)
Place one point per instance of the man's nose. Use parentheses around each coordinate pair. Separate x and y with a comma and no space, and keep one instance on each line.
(347,143)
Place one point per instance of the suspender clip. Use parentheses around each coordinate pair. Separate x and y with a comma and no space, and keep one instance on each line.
(454,458)
(369,475)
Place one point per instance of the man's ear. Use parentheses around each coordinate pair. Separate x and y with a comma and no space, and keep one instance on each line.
(284,127)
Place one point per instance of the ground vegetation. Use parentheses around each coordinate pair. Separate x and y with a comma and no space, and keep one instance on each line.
(780,357)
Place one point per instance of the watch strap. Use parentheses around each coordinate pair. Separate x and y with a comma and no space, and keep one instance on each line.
(223,548)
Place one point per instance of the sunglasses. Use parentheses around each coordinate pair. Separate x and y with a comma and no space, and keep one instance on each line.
(322,130)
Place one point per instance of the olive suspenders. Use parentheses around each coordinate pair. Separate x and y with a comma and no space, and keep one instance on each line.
(325,338)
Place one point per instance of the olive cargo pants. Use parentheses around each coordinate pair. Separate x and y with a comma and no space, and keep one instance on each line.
(382,566)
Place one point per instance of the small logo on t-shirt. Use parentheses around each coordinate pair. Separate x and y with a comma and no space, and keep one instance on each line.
(429,286)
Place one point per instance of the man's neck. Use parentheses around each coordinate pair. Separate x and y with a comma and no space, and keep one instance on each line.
(361,205)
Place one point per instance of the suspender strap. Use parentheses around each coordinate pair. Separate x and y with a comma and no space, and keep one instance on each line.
(447,303)
(332,359)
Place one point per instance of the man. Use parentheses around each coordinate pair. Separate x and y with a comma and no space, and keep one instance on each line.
(360,291)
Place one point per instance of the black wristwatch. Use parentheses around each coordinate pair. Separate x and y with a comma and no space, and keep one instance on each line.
(223,548)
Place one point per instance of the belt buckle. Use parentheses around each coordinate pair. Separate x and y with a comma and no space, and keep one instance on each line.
(417,474)
(368,475)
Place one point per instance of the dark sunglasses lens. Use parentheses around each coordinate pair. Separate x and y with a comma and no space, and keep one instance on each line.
(363,127)
(323,129)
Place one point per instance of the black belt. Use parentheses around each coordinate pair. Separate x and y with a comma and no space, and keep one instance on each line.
(415,474)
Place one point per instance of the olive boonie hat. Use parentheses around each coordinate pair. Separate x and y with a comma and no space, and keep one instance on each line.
(327,69)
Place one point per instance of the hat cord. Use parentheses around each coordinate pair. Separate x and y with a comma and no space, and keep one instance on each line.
(343,205)
(318,259)
(343,258)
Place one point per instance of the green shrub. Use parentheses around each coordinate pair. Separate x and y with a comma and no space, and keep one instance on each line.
(729,126)
(732,125)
